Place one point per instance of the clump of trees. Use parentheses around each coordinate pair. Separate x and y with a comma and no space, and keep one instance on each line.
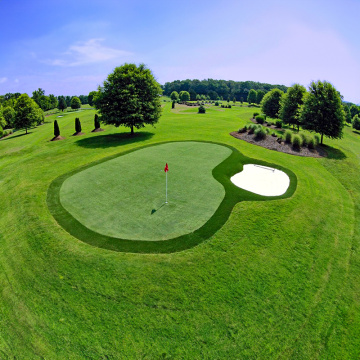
(130,97)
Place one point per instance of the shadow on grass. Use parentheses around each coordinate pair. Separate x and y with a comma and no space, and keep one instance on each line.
(356,132)
(112,140)
(333,153)
(10,137)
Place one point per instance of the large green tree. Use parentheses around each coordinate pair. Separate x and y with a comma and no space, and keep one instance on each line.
(75,103)
(290,105)
(27,112)
(323,111)
(252,96)
(130,97)
(270,103)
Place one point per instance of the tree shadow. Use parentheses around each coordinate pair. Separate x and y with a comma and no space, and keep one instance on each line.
(335,154)
(113,140)
(10,137)
(356,132)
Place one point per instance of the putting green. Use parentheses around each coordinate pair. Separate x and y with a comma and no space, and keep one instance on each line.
(124,197)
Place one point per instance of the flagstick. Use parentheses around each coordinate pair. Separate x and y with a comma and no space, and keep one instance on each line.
(166,189)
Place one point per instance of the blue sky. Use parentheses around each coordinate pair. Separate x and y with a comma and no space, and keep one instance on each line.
(69,47)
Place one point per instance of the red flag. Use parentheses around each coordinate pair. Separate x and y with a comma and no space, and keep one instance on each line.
(166,168)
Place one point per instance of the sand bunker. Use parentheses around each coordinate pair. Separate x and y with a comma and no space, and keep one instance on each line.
(262,180)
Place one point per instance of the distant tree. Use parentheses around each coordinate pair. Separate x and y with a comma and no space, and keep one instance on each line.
(259,96)
(356,122)
(174,95)
(234,100)
(3,122)
(53,101)
(40,116)
(241,100)
(184,96)
(62,103)
(130,97)
(68,101)
(26,114)
(56,129)
(198,97)
(75,103)
(91,96)
(347,113)
(9,115)
(77,125)
(290,105)
(96,122)
(270,103)
(84,99)
(323,111)
(192,94)
(213,95)
(354,110)
(252,96)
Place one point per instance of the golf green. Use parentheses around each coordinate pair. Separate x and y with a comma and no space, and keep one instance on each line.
(125,197)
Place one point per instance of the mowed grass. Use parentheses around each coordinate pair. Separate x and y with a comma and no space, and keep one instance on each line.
(279,280)
(125,197)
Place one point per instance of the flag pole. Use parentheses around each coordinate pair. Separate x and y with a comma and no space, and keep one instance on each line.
(166,189)
(166,171)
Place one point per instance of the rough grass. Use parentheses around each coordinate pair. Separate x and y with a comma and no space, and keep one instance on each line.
(279,280)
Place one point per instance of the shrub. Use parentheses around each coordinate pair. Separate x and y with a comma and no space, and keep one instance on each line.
(311,143)
(229,106)
(260,119)
(269,123)
(304,139)
(267,130)
(77,125)
(56,129)
(96,121)
(317,139)
(260,133)
(252,128)
(255,114)
(202,110)
(274,134)
(278,124)
(288,136)
(296,142)
(243,129)
(356,122)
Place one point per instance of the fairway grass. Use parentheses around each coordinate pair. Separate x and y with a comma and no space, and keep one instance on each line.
(278,280)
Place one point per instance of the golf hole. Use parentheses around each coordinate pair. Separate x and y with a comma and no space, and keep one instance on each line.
(262,180)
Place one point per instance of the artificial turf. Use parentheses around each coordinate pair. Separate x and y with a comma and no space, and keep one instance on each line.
(279,280)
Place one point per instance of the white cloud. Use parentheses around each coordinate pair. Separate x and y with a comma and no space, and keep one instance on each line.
(3,80)
(89,52)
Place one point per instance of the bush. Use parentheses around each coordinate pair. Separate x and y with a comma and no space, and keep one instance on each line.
(269,123)
(278,124)
(267,130)
(296,142)
(96,121)
(252,128)
(255,114)
(304,139)
(216,103)
(56,129)
(202,110)
(311,143)
(317,139)
(229,106)
(288,136)
(77,125)
(243,129)
(274,134)
(260,119)
(260,133)
(356,122)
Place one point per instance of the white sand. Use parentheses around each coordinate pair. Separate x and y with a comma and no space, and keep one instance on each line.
(262,180)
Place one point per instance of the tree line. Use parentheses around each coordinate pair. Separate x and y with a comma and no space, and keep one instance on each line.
(218,89)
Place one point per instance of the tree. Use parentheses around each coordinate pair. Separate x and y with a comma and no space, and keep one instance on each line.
(174,95)
(270,103)
(290,105)
(356,122)
(53,101)
(323,111)
(9,115)
(62,103)
(96,122)
(184,96)
(77,126)
(75,103)
(252,96)
(92,95)
(130,97)
(56,129)
(192,94)
(259,96)
(354,110)
(26,113)
(347,113)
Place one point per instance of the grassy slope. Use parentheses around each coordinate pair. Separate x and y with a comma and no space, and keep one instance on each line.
(279,280)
